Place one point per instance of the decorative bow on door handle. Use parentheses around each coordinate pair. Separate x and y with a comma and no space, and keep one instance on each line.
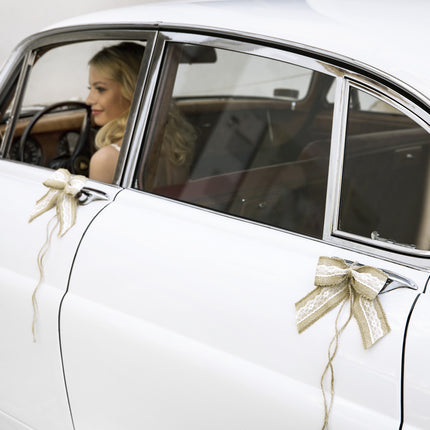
(337,282)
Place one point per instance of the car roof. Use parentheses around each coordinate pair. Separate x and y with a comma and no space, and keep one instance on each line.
(385,35)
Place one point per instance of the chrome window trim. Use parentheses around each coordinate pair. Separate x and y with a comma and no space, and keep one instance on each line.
(252,48)
(133,132)
(340,112)
(16,102)
(148,91)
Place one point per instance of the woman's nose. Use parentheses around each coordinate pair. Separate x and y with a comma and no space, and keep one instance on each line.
(90,99)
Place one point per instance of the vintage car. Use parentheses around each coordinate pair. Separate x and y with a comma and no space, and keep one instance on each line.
(173,300)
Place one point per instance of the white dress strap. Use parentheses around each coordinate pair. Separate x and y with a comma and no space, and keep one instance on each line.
(116,146)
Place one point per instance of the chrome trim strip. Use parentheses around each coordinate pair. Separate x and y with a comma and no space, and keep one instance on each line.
(16,103)
(128,153)
(152,65)
(336,158)
(250,47)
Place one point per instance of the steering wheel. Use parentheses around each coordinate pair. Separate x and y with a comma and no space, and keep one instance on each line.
(78,161)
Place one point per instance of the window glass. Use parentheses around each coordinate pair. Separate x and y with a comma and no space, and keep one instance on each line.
(258,78)
(243,135)
(385,183)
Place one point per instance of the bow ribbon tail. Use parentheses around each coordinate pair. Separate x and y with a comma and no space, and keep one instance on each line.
(371,320)
(48,201)
(63,194)
(317,303)
(66,213)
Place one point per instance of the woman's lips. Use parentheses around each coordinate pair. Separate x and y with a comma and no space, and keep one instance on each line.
(96,112)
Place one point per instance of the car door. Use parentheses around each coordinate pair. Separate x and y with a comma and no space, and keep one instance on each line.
(32,389)
(32,392)
(186,317)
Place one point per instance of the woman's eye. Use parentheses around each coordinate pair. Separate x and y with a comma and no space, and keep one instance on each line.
(100,89)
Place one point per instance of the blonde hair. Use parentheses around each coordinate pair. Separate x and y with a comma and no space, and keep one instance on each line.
(120,63)
(179,138)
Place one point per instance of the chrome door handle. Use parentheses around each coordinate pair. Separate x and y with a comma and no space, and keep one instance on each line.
(393,282)
(88,195)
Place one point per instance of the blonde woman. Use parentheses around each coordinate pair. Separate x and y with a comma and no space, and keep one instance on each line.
(112,81)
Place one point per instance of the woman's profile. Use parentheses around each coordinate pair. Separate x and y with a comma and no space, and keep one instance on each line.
(112,80)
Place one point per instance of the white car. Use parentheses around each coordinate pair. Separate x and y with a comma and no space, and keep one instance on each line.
(171,301)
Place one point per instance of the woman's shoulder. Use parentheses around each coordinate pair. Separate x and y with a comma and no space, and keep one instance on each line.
(107,152)
(103,163)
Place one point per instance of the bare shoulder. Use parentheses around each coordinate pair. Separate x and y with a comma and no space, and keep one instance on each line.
(103,164)
(106,153)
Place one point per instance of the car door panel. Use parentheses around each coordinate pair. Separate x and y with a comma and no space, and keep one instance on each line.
(32,383)
(186,310)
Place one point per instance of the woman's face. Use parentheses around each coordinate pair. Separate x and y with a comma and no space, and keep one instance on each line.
(105,98)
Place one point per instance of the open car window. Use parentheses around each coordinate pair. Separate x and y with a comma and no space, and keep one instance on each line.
(233,132)
(58,75)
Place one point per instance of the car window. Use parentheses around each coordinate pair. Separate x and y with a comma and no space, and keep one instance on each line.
(258,78)
(385,183)
(57,74)
(236,133)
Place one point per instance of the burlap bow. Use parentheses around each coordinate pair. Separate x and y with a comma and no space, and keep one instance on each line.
(335,282)
(63,188)
(63,192)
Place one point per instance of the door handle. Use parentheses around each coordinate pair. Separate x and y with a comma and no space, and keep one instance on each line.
(393,282)
(88,195)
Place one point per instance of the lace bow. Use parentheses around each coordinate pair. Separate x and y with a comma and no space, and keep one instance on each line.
(63,189)
(336,282)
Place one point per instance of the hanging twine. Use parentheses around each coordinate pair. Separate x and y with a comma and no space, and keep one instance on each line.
(338,283)
(63,189)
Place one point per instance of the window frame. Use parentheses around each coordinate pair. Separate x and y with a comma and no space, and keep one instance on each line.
(140,155)
(415,113)
(25,54)
(346,73)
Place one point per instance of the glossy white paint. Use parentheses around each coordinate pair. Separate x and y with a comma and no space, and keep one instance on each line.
(396,32)
(32,388)
(187,317)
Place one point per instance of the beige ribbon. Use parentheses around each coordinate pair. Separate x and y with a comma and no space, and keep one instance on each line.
(63,188)
(336,282)
(62,194)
